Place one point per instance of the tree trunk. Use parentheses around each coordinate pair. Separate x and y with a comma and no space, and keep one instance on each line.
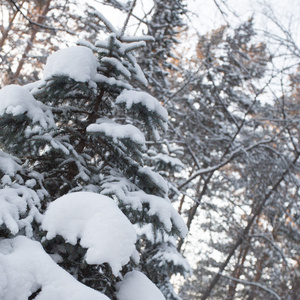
(259,271)
(42,13)
(237,272)
(247,228)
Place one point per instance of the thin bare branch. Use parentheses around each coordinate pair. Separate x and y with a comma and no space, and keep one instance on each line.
(39,24)
(244,282)
(128,17)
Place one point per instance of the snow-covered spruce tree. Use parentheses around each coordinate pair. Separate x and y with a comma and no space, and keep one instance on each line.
(69,154)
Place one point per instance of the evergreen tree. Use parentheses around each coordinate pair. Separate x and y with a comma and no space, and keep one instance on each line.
(71,150)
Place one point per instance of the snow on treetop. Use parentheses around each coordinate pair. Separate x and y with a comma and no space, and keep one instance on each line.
(99,224)
(129,98)
(17,100)
(78,63)
(25,267)
(136,286)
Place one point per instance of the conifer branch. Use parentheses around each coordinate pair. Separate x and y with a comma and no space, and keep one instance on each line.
(108,25)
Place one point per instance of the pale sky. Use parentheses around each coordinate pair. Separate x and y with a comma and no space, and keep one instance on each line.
(205,16)
(287,11)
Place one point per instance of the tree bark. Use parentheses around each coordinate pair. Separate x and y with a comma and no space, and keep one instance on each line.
(237,272)
(42,13)
(259,270)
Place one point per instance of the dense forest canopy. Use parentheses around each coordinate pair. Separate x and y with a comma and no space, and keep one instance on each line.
(149,150)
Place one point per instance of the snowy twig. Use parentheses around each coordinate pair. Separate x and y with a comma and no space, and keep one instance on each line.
(108,25)
(232,155)
(127,18)
(272,243)
(187,145)
(192,198)
(122,8)
(253,284)
(129,39)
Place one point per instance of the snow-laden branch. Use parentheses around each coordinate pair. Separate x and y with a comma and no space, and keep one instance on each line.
(108,25)
(253,284)
(122,8)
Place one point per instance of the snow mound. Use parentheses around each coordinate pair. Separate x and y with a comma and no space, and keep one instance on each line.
(78,63)
(17,100)
(136,286)
(97,222)
(25,268)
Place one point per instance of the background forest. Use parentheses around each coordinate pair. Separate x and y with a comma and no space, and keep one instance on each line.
(223,165)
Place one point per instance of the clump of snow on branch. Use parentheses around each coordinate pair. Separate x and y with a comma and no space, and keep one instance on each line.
(146,107)
(18,208)
(159,207)
(118,132)
(155,178)
(163,160)
(110,81)
(25,268)
(78,63)
(18,201)
(113,62)
(128,194)
(17,100)
(9,164)
(99,225)
(167,254)
(136,286)
(132,98)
